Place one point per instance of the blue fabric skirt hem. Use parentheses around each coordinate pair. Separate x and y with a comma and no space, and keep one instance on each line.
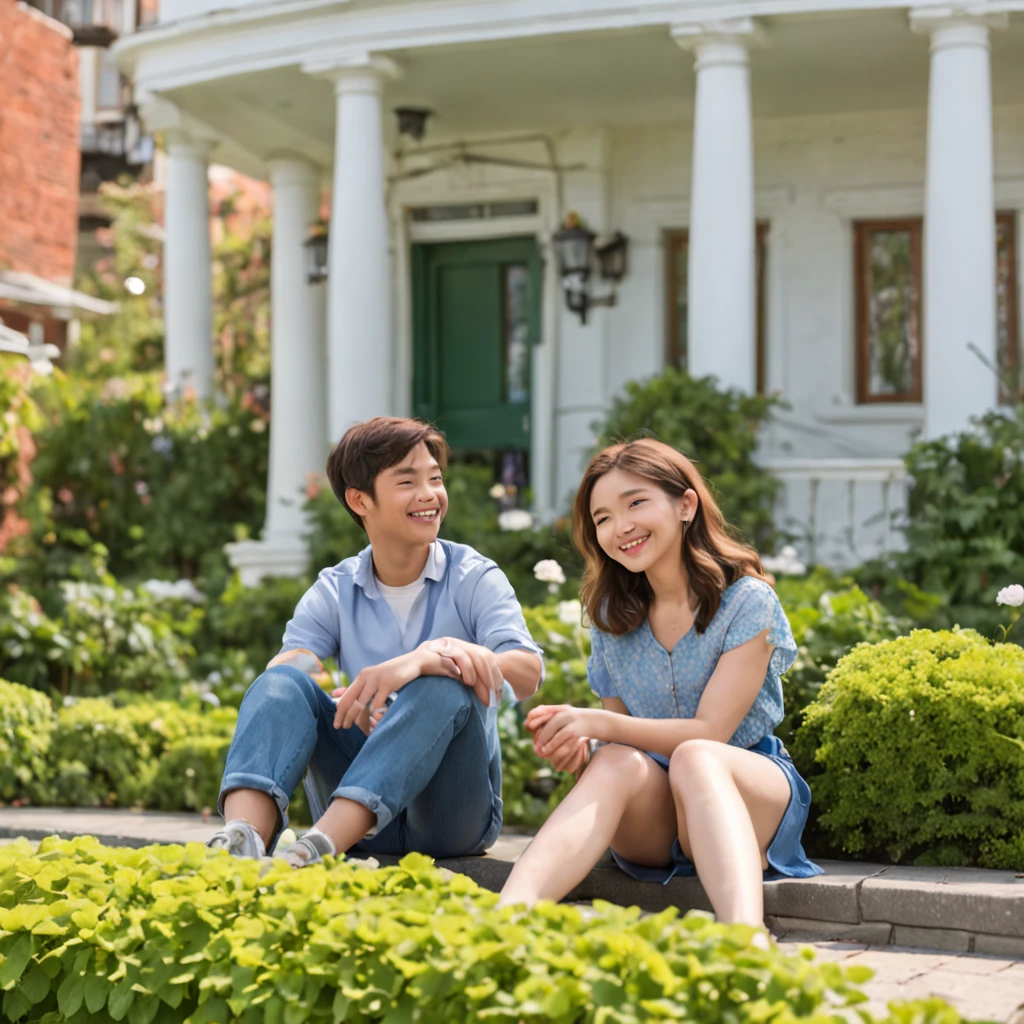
(786,857)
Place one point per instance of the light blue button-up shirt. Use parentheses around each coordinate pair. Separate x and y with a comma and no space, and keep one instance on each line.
(345,616)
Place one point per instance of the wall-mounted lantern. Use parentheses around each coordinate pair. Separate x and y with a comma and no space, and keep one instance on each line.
(576,248)
(412,121)
(316,253)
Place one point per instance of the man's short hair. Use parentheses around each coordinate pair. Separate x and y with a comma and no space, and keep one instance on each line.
(369,448)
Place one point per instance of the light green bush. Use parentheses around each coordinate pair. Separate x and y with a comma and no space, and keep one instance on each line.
(26,722)
(168,934)
(914,751)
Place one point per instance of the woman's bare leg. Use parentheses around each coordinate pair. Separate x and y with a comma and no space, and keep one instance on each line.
(732,801)
(623,799)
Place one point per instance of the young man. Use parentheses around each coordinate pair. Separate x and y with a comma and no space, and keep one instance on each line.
(427,632)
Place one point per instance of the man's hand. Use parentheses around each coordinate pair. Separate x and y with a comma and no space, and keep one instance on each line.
(359,702)
(561,734)
(477,666)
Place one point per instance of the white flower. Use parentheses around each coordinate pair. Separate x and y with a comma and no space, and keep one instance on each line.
(211,698)
(1012,595)
(556,639)
(514,520)
(548,571)
(214,677)
(497,491)
(785,563)
(182,590)
(570,612)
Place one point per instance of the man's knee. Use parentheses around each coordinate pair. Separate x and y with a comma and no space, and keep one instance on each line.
(282,686)
(440,692)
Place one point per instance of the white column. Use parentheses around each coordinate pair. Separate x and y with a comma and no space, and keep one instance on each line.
(722,321)
(360,350)
(959,225)
(298,399)
(298,422)
(188,291)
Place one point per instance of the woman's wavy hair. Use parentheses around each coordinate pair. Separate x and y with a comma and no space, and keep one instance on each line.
(617,600)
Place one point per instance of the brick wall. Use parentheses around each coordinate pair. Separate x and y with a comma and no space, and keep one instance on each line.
(39,144)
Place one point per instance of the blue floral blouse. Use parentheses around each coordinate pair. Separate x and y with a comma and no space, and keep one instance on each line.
(655,683)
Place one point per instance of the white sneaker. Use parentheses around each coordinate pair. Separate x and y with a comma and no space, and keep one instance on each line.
(240,839)
(310,849)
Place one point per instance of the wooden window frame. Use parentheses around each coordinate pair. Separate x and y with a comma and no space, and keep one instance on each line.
(1008,219)
(862,285)
(674,240)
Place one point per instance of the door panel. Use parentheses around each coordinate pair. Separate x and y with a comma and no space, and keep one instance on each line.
(475,322)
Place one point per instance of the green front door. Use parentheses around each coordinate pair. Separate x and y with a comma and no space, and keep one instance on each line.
(476,320)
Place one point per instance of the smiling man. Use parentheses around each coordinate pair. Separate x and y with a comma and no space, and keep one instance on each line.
(406,757)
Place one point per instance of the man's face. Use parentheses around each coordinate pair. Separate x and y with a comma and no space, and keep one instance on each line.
(410,500)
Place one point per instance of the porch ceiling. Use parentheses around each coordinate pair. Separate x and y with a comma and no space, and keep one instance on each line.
(820,64)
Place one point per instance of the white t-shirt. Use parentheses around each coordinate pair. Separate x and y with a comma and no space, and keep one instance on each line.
(401,599)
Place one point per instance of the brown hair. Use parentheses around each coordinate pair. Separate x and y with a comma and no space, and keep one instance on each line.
(617,600)
(369,448)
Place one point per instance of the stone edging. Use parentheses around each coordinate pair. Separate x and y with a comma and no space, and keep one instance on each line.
(963,910)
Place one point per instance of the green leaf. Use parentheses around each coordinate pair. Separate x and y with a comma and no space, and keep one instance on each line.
(121,998)
(35,985)
(96,989)
(14,963)
(70,993)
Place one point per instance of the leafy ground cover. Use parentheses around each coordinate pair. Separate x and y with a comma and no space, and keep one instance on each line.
(181,934)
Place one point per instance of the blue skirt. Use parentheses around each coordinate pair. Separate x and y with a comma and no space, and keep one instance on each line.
(786,857)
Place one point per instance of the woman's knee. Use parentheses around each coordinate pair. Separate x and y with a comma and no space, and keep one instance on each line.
(615,762)
(693,758)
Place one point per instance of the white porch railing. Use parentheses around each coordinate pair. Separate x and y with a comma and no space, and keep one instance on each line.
(841,511)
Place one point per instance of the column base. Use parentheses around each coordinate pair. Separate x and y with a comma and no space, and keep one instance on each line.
(255,560)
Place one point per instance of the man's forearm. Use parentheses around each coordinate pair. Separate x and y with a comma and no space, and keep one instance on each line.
(522,671)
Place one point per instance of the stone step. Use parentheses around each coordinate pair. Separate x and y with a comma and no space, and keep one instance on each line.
(965,910)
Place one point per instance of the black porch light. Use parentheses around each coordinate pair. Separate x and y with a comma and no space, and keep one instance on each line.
(316,253)
(412,121)
(575,250)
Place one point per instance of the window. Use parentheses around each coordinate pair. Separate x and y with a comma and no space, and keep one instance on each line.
(1008,353)
(888,288)
(677,253)
(888,269)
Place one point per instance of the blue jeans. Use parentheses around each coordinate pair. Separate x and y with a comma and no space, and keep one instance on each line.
(424,771)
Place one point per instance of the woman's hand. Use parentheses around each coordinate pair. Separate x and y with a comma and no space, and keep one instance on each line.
(561,733)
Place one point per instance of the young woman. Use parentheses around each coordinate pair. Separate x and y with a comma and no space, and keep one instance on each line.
(679,771)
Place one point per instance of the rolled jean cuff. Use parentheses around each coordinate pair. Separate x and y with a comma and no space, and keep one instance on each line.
(243,780)
(371,801)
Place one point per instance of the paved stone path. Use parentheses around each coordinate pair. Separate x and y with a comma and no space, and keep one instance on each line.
(982,988)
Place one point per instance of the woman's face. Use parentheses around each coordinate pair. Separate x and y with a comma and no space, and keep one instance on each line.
(637,523)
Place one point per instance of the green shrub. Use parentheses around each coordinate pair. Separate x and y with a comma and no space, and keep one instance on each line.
(173,933)
(102,637)
(914,751)
(187,777)
(26,722)
(103,755)
(250,620)
(717,429)
(964,528)
(824,632)
(160,486)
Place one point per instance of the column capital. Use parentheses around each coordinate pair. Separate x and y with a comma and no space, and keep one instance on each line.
(184,135)
(963,24)
(287,168)
(725,41)
(354,72)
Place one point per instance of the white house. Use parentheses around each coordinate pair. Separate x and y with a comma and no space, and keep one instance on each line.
(821,198)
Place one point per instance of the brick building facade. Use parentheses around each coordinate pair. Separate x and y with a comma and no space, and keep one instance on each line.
(39,159)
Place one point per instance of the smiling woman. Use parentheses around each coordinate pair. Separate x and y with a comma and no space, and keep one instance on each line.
(688,646)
